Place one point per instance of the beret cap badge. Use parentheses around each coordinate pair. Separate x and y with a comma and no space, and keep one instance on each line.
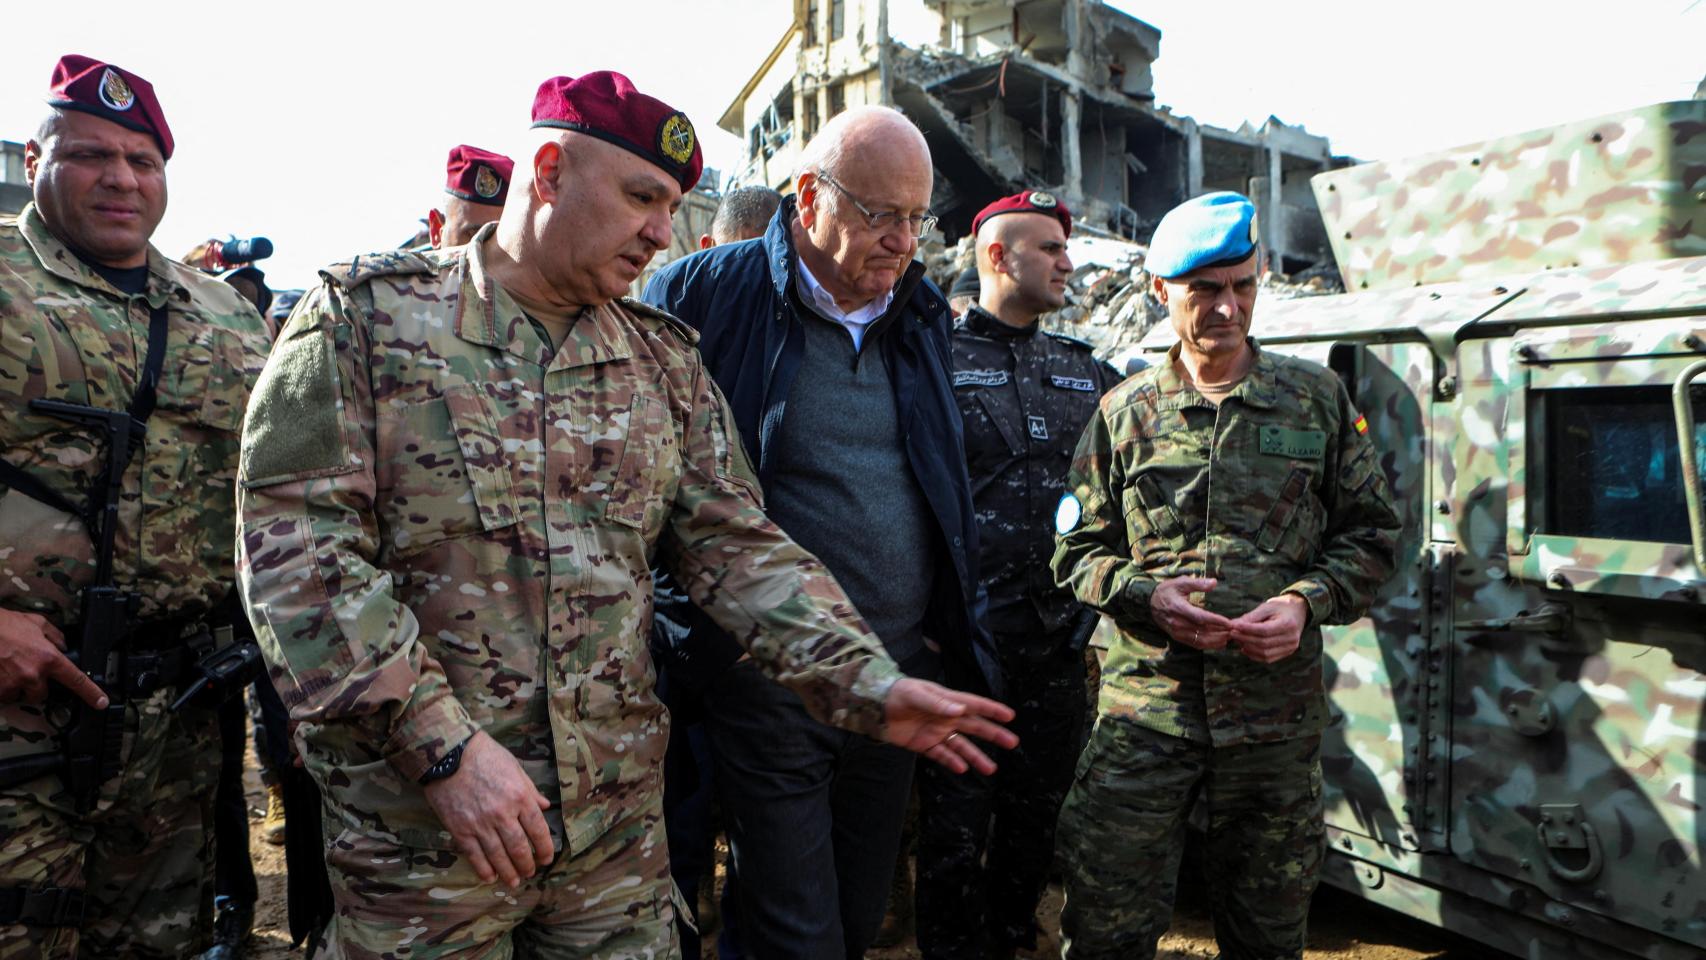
(486,183)
(115,93)
(1043,201)
(676,138)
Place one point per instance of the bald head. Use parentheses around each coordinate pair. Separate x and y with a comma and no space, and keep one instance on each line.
(1022,266)
(864,185)
(997,233)
(862,133)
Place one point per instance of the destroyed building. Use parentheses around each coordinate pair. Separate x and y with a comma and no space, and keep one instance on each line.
(14,192)
(1017,94)
(691,221)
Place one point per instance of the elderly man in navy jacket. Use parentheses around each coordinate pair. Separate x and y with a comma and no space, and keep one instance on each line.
(832,349)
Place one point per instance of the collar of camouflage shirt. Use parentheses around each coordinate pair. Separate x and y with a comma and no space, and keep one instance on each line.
(486,314)
(58,260)
(1259,387)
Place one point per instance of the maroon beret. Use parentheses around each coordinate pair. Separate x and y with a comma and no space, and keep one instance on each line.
(478,176)
(606,105)
(1031,201)
(111,93)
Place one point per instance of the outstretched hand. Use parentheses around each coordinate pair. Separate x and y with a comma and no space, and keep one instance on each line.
(940,723)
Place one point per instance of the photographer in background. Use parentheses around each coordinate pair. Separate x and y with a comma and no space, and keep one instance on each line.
(234,887)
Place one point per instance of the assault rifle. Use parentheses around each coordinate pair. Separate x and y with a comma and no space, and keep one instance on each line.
(91,742)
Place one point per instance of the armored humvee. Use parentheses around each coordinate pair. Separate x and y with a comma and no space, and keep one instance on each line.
(1517,749)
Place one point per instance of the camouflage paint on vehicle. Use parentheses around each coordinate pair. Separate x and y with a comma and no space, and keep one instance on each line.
(1614,189)
(1516,745)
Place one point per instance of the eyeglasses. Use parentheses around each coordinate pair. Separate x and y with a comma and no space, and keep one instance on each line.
(918,226)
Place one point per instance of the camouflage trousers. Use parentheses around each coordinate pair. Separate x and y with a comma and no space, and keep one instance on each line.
(141,855)
(612,900)
(1122,834)
(985,844)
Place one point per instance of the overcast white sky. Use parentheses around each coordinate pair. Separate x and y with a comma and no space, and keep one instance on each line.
(325,125)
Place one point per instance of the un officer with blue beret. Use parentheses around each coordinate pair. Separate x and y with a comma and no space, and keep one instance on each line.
(1222,506)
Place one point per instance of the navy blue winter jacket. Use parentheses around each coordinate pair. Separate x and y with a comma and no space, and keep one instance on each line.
(738,297)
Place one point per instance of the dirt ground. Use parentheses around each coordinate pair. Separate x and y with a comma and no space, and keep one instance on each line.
(1342,927)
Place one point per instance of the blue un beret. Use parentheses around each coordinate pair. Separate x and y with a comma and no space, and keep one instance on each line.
(1213,230)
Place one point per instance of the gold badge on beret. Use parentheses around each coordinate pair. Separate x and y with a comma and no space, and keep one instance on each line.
(1255,234)
(1043,201)
(676,139)
(486,183)
(115,93)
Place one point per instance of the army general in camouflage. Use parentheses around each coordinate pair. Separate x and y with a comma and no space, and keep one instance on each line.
(458,472)
(985,843)
(1223,505)
(119,866)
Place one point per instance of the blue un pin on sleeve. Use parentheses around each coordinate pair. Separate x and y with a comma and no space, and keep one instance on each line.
(1067,514)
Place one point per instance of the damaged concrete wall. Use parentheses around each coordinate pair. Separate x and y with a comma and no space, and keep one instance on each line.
(1029,94)
(14,192)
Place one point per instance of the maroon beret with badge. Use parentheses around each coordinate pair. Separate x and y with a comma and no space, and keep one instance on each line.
(606,105)
(478,176)
(1031,201)
(111,93)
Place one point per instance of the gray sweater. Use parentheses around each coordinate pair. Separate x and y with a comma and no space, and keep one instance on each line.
(842,487)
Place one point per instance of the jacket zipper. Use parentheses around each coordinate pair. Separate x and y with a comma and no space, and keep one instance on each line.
(1208,507)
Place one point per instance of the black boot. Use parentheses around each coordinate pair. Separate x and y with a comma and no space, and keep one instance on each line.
(232,922)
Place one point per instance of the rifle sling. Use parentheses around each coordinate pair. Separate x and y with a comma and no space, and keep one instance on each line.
(141,408)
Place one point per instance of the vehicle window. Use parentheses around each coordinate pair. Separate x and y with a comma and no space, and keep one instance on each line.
(1611,463)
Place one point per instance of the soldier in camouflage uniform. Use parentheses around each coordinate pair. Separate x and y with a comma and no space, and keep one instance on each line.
(1223,505)
(458,471)
(476,183)
(80,289)
(1024,396)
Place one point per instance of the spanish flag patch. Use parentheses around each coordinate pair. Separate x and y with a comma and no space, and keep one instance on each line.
(1361,424)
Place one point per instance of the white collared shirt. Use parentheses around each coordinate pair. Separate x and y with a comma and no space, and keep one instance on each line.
(856,321)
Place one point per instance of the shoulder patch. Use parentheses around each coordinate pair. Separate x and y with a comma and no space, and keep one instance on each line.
(1067,513)
(294,427)
(642,309)
(356,272)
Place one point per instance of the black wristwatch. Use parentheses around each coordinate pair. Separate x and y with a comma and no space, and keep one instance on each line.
(446,765)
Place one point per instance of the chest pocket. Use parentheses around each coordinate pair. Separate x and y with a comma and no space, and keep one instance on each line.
(207,379)
(992,430)
(1071,402)
(442,471)
(1151,516)
(1293,525)
(483,456)
(645,474)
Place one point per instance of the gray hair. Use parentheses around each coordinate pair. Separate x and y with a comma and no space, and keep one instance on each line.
(744,213)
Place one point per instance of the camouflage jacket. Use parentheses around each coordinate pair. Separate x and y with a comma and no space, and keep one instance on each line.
(1277,490)
(447,527)
(1024,397)
(66,334)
